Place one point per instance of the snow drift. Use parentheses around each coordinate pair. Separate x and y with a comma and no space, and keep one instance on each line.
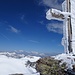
(9,65)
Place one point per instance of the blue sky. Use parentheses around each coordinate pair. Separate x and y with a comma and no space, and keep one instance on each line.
(23,26)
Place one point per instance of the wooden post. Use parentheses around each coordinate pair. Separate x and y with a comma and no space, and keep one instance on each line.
(69,27)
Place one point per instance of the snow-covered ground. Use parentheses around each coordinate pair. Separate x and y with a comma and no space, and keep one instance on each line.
(10,65)
(69,59)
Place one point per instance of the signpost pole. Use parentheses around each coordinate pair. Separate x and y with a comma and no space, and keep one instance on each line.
(69,27)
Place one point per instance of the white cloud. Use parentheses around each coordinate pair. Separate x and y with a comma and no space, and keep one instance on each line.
(33,41)
(37,53)
(50,3)
(55,27)
(14,29)
(41,22)
(34,52)
(4,36)
(22,17)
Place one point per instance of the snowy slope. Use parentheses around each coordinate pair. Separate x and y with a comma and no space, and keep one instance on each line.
(9,65)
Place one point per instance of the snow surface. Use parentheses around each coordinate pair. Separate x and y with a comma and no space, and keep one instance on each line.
(9,65)
(67,58)
(13,65)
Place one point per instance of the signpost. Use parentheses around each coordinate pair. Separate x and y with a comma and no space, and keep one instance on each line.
(69,27)
(64,16)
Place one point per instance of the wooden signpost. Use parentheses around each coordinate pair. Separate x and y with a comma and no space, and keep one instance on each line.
(61,15)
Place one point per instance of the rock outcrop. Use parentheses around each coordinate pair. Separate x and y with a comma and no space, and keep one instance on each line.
(50,66)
